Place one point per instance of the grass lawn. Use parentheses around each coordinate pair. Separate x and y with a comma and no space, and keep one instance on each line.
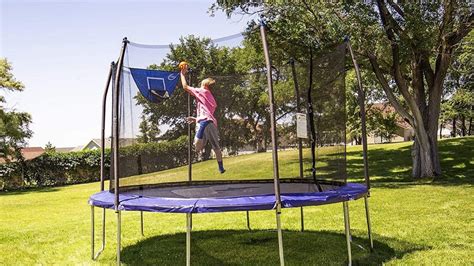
(424,222)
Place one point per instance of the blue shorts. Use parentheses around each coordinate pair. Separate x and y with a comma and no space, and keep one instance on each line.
(202,126)
(206,131)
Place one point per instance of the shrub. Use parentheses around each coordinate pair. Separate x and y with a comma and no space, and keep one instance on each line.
(57,169)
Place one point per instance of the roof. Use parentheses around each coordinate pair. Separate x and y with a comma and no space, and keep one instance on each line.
(29,153)
(108,142)
(64,149)
(78,148)
(387,108)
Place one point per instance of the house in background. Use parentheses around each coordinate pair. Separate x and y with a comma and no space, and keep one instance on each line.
(28,153)
(94,144)
(404,131)
(64,149)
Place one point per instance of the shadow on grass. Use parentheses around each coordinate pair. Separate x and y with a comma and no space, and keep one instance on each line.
(242,247)
(29,191)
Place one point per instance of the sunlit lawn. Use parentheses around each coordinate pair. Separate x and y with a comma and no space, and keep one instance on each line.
(426,222)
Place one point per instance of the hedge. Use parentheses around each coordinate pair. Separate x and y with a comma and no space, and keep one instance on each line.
(57,169)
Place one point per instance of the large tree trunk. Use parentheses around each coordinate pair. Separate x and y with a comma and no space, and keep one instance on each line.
(463,125)
(425,154)
(441,131)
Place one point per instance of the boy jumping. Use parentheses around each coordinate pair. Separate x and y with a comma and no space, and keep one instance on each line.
(206,123)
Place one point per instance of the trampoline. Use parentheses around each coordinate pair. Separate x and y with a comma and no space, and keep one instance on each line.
(205,197)
(312,172)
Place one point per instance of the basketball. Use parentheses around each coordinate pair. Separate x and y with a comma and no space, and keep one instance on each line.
(182,65)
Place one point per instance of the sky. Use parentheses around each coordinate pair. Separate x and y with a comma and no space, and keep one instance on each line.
(61,51)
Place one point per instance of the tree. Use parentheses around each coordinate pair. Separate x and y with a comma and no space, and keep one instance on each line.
(381,123)
(407,45)
(14,126)
(457,105)
(149,130)
(460,109)
(372,94)
(421,38)
(49,148)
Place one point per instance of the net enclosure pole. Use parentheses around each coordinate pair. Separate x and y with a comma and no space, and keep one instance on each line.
(110,77)
(115,121)
(298,109)
(311,121)
(115,141)
(300,144)
(361,100)
(276,176)
(190,139)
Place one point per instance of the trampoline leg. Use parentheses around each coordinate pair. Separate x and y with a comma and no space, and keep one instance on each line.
(188,239)
(119,235)
(302,219)
(369,227)
(347,226)
(96,255)
(248,220)
(141,223)
(92,232)
(280,237)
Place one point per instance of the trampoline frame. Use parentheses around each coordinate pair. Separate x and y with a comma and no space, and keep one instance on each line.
(114,80)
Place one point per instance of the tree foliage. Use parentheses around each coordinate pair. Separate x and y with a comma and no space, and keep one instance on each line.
(240,91)
(49,147)
(14,126)
(458,103)
(407,45)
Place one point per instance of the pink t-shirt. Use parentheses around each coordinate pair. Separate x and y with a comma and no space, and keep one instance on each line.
(206,104)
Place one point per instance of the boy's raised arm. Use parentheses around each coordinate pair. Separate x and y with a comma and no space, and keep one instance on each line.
(184,70)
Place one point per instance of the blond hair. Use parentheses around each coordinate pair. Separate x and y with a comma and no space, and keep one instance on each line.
(207,82)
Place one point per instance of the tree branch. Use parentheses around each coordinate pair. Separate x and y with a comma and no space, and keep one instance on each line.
(397,8)
(397,73)
(390,24)
(417,84)
(464,28)
(427,70)
(388,91)
(446,43)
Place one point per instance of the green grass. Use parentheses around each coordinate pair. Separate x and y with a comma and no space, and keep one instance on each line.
(423,222)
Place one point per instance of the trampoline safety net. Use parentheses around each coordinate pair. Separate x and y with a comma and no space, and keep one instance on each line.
(152,111)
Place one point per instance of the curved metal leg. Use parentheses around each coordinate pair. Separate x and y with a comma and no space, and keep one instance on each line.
(280,237)
(141,223)
(96,255)
(369,228)
(119,236)
(248,221)
(92,231)
(302,219)
(188,239)
(347,226)
(93,254)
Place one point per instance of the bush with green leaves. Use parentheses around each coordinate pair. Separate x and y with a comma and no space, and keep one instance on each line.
(57,169)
